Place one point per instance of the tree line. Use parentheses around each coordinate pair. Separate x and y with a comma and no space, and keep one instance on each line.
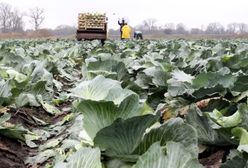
(12,20)
(215,28)
(150,26)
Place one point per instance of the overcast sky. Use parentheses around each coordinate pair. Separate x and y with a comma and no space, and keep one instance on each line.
(193,13)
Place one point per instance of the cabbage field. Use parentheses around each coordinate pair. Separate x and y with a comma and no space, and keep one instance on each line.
(127,104)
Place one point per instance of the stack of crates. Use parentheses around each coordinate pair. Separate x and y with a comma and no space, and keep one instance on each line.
(91,21)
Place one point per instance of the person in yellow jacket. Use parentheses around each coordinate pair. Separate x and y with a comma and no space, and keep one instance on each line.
(126,32)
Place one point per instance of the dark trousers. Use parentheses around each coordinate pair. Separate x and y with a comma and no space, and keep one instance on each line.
(138,36)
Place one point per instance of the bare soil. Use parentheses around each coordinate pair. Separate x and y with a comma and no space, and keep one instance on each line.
(12,152)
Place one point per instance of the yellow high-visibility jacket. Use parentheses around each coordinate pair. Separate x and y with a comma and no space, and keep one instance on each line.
(126,32)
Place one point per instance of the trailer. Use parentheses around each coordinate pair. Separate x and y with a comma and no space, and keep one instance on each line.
(92,27)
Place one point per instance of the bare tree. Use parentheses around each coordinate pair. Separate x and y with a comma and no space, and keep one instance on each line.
(16,23)
(10,20)
(150,23)
(232,28)
(169,28)
(36,17)
(242,27)
(181,29)
(5,12)
(215,28)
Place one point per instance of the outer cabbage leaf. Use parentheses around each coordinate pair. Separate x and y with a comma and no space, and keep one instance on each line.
(176,156)
(122,137)
(83,158)
(101,88)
